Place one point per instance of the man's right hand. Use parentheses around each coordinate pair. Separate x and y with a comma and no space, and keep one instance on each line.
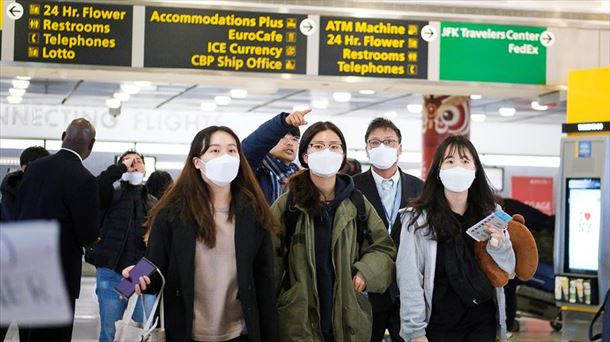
(419,339)
(297,118)
(129,162)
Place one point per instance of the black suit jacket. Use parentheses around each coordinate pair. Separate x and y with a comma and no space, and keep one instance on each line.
(171,246)
(60,188)
(411,187)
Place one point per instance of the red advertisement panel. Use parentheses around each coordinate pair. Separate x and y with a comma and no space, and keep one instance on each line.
(534,191)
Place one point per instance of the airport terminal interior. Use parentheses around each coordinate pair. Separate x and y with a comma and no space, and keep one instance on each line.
(527,81)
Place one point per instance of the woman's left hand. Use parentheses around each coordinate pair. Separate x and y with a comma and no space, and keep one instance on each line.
(359,282)
(497,235)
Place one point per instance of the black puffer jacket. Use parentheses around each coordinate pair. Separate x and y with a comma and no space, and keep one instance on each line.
(9,188)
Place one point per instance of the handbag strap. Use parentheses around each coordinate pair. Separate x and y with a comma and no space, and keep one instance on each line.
(150,323)
(131,306)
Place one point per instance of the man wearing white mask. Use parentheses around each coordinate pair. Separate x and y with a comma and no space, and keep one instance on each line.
(124,208)
(388,189)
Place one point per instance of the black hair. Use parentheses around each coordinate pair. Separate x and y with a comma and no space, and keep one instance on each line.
(315,129)
(382,123)
(295,131)
(128,152)
(439,217)
(158,182)
(32,153)
(352,167)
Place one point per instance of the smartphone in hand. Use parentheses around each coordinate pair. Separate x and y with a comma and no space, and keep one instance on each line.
(126,287)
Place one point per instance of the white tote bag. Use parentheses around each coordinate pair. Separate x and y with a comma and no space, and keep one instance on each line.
(128,330)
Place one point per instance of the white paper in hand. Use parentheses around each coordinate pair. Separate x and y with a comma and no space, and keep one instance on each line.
(498,219)
(32,287)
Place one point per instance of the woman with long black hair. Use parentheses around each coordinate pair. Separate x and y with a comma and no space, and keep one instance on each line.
(210,235)
(444,294)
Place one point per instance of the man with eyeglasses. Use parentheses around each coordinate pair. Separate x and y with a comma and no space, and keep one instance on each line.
(271,150)
(388,189)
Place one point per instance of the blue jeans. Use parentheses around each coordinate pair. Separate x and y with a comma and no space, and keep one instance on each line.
(112,306)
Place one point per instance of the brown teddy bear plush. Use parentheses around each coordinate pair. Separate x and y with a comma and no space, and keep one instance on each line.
(526,254)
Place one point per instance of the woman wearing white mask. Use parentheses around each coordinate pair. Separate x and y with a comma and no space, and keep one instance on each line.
(210,237)
(330,257)
(444,294)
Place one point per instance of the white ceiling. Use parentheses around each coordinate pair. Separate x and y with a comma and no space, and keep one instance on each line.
(265,100)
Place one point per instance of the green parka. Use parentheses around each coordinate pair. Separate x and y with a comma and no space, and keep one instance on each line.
(298,307)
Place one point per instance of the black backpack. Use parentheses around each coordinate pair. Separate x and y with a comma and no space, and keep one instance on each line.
(292,214)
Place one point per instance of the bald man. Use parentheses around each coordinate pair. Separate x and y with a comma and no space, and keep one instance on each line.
(59,187)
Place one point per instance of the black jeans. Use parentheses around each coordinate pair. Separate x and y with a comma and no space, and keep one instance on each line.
(390,320)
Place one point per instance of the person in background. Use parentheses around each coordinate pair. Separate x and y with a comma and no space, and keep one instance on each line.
(124,209)
(8,206)
(388,189)
(327,270)
(210,236)
(352,167)
(444,294)
(59,187)
(271,150)
(10,183)
(158,182)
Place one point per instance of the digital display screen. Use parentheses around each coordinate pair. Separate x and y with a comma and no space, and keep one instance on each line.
(583,221)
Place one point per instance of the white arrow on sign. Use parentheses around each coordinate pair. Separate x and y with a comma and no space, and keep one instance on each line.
(547,38)
(428,33)
(14,11)
(308,27)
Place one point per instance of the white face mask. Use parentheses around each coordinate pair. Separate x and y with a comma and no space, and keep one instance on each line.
(457,179)
(324,163)
(134,178)
(221,170)
(383,157)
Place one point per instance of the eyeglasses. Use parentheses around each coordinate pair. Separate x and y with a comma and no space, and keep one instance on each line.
(388,142)
(332,147)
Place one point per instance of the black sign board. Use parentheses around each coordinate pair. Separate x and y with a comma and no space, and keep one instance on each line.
(75,33)
(372,47)
(224,40)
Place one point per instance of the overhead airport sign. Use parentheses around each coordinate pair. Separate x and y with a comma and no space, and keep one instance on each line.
(493,53)
(76,33)
(224,40)
(372,47)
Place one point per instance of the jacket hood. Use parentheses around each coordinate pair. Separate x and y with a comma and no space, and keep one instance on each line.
(343,189)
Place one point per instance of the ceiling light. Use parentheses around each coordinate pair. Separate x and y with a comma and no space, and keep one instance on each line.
(21,84)
(351,79)
(299,108)
(538,106)
(319,104)
(507,111)
(238,93)
(16,92)
(142,84)
(130,88)
(222,100)
(14,99)
(478,117)
(121,96)
(342,96)
(208,106)
(23,78)
(113,103)
(367,92)
(391,114)
(476,97)
(414,108)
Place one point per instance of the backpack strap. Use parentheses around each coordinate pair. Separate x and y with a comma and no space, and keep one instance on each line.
(291,216)
(363,231)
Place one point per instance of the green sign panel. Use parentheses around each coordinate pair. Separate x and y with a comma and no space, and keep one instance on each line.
(493,53)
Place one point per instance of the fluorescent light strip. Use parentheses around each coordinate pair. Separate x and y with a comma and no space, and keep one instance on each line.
(519,160)
(168,149)
(54,145)
(9,161)
(20,144)
(115,147)
(169,165)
